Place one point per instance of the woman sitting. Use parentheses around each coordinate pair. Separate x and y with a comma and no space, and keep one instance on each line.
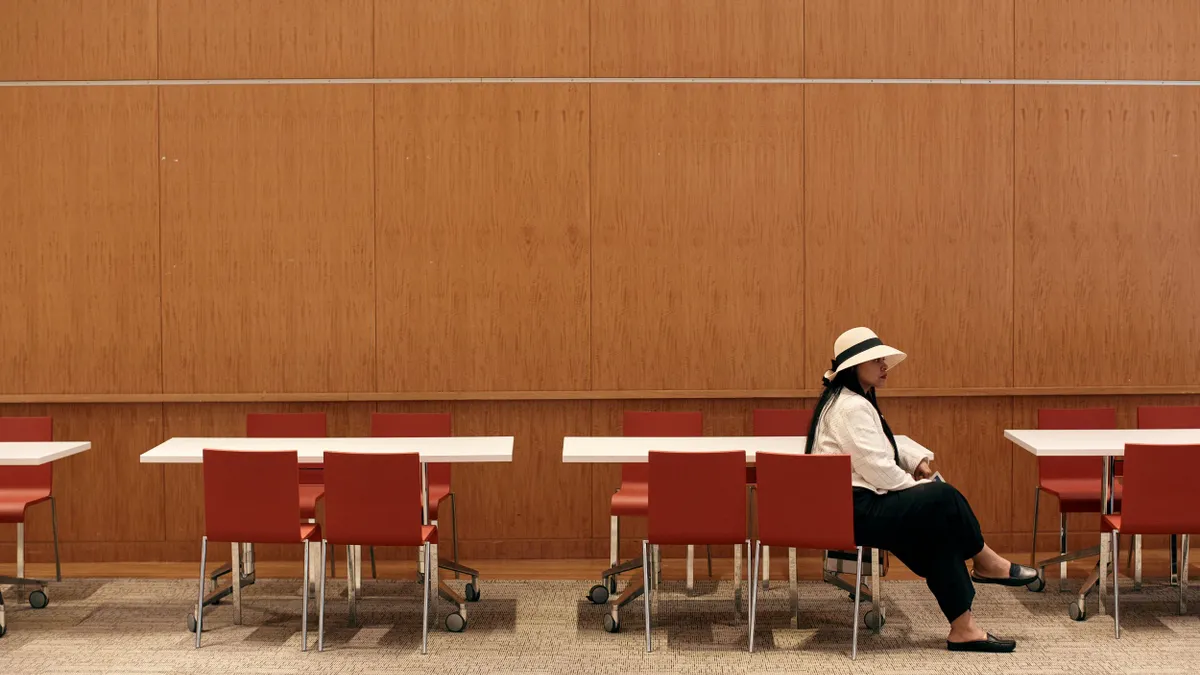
(927,524)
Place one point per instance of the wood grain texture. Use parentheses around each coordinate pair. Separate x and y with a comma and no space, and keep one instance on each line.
(1106,235)
(481,38)
(909,201)
(265,38)
(697,38)
(913,38)
(79,260)
(104,495)
(267,239)
(78,39)
(483,237)
(537,506)
(1108,39)
(697,237)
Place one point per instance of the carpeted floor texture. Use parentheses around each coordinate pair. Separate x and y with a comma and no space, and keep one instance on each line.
(138,626)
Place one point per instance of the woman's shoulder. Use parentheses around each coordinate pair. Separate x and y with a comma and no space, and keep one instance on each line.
(847,401)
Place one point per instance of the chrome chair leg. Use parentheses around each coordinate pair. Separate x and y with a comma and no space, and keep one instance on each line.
(54,524)
(1037,502)
(857,601)
(754,561)
(425,607)
(646,590)
(321,600)
(304,602)
(1116,584)
(200,601)
(1062,548)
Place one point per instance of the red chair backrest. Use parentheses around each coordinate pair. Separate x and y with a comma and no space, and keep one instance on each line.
(805,501)
(29,430)
(368,498)
(646,424)
(1075,418)
(291,425)
(778,422)
(251,496)
(772,422)
(1160,490)
(416,425)
(1169,417)
(697,497)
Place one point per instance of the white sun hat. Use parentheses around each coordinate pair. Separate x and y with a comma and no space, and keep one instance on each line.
(860,345)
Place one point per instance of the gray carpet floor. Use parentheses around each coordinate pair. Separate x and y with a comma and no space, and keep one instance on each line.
(138,626)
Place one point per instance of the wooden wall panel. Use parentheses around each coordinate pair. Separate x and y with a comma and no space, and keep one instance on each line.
(483,237)
(78,39)
(697,237)
(697,38)
(265,38)
(913,38)
(268,239)
(104,494)
(1108,225)
(79,263)
(481,38)
(909,228)
(1108,39)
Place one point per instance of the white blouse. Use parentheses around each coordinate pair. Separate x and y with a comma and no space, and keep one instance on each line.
(850,425)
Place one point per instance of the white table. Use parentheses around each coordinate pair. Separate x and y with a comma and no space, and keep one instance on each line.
(1105,445)
(34,454)
(636,449)
(438,450)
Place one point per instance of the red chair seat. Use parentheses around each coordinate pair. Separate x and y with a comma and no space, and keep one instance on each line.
(429,534)
(631,500)
(309,496)
(309,531)
(14,501)
(1110,523)
(1078,495)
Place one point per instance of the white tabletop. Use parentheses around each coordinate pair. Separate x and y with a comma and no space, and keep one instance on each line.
(311,450)
(629,449)
(34,454)
(1096,442)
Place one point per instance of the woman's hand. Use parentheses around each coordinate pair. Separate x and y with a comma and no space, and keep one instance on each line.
(923,470)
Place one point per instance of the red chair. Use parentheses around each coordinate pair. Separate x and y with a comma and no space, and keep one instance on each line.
(695,498)
(1159,499)
(1168,417)
(24,486)
(805,501)
(295,425)
(632,499)
(775,422)
(252,497)
(368,502)
(1075,481)
(426,425)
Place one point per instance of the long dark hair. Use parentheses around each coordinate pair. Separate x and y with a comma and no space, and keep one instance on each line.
(847,379)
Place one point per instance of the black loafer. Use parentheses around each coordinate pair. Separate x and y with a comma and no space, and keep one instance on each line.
(992,645)
(1018,575)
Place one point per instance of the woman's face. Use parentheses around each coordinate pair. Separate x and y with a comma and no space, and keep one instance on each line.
(872,374)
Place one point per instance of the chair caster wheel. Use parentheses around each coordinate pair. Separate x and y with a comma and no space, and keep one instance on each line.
(191,623)
(598,595)
(471,593)
(611,625)
(874,620)
(455,623)
(38,599)
(3,630)
(1037,586)
(1075,612)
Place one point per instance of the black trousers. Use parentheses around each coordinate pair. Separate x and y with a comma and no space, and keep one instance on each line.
(932,530)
